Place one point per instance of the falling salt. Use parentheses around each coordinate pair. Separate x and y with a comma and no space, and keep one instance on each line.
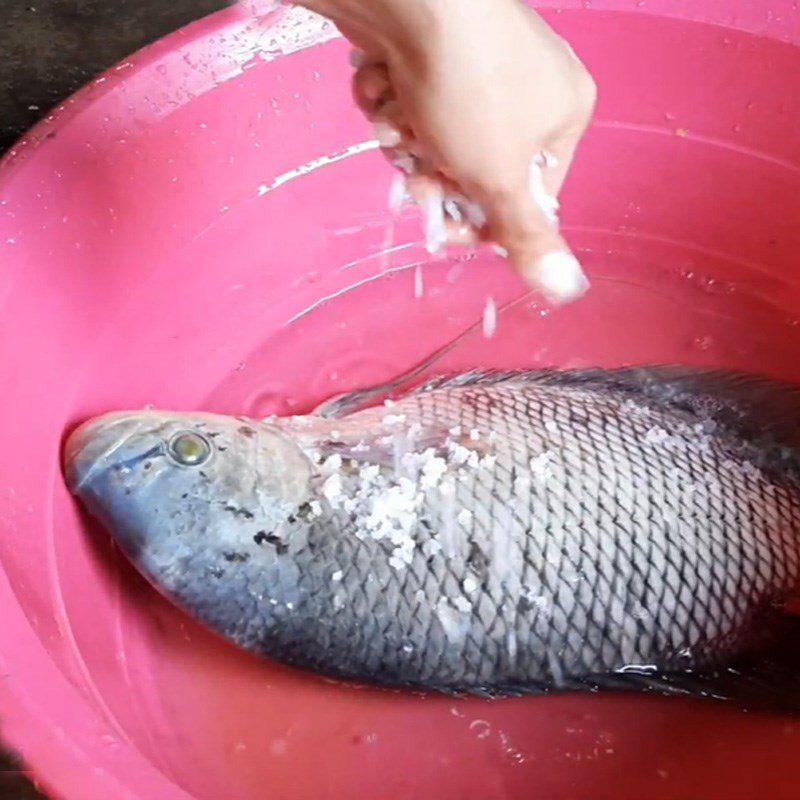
(337,576)
(397,193)
(419,285)
(489,318)
(435,230)
(464,517)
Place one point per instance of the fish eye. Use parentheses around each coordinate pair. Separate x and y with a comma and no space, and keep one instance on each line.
(189,449)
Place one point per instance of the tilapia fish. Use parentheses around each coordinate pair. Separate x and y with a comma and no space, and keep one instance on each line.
(489,533)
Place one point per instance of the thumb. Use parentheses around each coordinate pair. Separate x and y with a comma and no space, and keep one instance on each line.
(540,255)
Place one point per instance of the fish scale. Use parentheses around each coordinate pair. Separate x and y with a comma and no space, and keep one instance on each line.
(625,529)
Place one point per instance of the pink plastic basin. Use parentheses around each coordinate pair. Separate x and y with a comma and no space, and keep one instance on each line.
(167,238)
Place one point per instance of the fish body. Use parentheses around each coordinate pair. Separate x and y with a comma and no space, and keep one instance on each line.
(492,534)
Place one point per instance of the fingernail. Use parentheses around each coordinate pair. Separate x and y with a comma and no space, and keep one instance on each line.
(559,277)
(386,135)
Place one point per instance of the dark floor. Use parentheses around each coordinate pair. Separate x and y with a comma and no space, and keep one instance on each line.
(49,48)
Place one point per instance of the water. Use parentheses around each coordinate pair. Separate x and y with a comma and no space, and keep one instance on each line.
(382,325)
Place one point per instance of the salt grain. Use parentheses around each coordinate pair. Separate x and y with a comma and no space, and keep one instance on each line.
(656,436)
(332,489)
(540,465)
(397,193)
(489,318)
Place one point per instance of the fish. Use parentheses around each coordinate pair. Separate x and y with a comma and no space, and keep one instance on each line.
(487,533)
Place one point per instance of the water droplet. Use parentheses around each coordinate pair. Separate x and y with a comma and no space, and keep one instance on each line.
(481,728)
(702,342)
(267,403)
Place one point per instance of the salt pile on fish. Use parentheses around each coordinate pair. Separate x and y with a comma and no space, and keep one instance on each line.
(493,533)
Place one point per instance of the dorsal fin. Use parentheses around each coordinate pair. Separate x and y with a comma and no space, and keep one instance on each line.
(757,409)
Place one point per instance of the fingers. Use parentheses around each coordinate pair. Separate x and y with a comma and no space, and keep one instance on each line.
(371,88)
(558,162)
(372,91)
(523,221)
(535,248)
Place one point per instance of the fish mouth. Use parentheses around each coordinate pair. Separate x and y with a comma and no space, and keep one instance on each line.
(89,447)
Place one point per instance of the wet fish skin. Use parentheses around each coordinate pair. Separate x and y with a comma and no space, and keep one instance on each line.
(615,532)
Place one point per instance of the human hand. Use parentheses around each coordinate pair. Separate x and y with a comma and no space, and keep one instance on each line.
(479,100)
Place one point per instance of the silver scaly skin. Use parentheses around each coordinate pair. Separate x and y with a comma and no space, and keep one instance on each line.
(493,534)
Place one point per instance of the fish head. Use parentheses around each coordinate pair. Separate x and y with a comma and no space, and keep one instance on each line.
(192,498)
